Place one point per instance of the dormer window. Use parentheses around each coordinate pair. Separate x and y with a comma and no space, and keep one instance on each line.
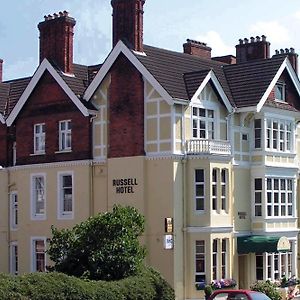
(280,91)
(203,123)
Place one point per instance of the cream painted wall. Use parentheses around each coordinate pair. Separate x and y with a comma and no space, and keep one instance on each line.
(20,181)
(4,221)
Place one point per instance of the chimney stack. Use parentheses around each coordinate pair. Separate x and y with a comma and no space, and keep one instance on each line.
(1,69)
(292,56)
(196,48)
(257,48)
(56,40)
(128,22)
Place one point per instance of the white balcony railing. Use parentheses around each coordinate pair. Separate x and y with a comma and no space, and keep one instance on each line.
(208,147)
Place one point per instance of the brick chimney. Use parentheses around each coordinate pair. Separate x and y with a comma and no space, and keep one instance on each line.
(292,56)
(196,48)
(128,22)
(56,40)
(227,59)
(256,48)
(1,69)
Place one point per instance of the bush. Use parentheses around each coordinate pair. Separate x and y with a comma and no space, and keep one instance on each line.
(268,288)
(148,285)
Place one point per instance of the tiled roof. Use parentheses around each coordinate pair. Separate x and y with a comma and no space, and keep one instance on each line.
(11,91)
(249,81)
(181,74)
(168,68)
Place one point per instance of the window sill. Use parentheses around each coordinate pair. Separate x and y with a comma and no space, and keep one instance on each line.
(37,153)
(63,151)
(65,216)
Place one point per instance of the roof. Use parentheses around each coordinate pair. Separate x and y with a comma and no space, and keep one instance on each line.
(248,81)
(170,70)
(12,90)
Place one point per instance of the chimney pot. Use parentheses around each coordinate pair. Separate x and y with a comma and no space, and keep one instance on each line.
(49,17)
(292,50)
(65,13)
(246,40)
(276,52)
(281,51)
(264,38)
(258,39)
(252,39)
(287,50)
(241,41)
(61,14)
(55,15)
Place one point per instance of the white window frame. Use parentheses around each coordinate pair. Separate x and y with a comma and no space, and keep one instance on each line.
(258,197)
(200,198)
(200,256)
(14,258)
(34,214)
(280,85)
(205,120)
(215,259)
(14,210)
(39,138)
(33,252)
(61,214)
(65,135)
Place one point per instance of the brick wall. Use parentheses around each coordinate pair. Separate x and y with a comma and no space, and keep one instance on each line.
(49,104)
(126,111)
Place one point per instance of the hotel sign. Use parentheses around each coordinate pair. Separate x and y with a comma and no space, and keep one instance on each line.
(125,185)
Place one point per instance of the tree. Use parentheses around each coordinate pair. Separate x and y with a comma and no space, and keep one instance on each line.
(105,247)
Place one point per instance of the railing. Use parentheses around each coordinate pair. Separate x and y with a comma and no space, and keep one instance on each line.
(208,147)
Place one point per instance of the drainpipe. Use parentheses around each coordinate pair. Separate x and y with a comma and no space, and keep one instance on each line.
(183,162)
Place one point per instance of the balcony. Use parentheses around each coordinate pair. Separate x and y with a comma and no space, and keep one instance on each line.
(204,146)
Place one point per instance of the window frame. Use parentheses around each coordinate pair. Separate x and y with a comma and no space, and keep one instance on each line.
(14,210)
(200,257)
(199,199)
(65,136)
(210,123)
(62,214)
(39,138)
(33,197)
(280,89)
(14,258)
(34,263)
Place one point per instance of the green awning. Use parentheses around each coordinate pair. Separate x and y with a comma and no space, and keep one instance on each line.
(262,243)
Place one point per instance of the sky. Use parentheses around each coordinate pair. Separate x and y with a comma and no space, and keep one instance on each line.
(167,24)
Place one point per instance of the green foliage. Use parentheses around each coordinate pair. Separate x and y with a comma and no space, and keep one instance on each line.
(268,288)
(147,285)
(105,247)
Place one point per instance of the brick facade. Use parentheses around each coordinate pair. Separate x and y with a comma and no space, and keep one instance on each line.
(126,115)
(49,104)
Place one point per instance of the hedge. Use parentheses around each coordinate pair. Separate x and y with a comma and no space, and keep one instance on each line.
(148,285)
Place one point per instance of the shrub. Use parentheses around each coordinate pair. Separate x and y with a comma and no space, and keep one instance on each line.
(268,288)
(147,285)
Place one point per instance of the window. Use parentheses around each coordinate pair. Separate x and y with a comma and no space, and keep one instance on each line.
(203,123)
(38,197)
(278,265)
(259,267)
(200,262)
(280,91)
(224,257)
(280,197)
(219,189)
(279,135)
(199,189)
(38,255)
(39,138)
(258,197)
(14,264)
(215,259)
(65,135)
(13,210)
(65,196)
(257,133)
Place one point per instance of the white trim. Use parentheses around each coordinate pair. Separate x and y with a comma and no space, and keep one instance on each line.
(45,65)
(285,65)
(122,48)
(2,120)
(32,251)
(33,215)
(211,76)
(194,229)
(60,214)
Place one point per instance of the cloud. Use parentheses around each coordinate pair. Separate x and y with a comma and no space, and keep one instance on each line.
(274,31)
(296,15)
(214,40)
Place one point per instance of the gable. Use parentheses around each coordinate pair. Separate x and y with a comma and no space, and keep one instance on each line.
(45,65)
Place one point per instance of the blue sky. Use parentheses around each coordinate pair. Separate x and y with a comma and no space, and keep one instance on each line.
(167,24)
